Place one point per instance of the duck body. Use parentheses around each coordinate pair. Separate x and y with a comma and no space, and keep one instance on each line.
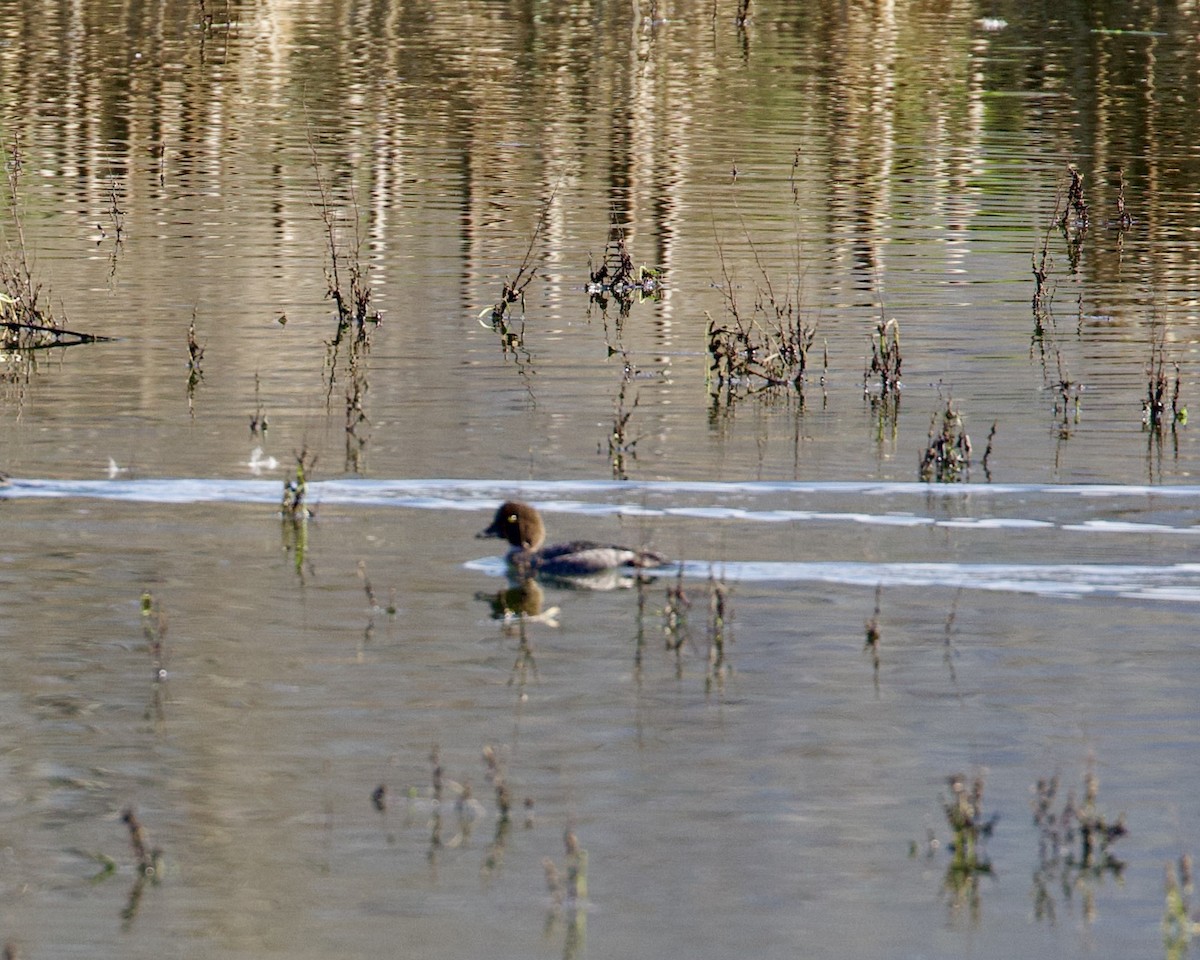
(521,525)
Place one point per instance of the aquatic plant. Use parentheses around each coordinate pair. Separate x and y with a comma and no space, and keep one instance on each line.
(947,456)
(1124,218)
(26,322)
(512,332)
(372,601)
(1155,413)
(1073,846)
(677,631)
(987,452)
(357,421)
(1178,925)
(882,383)
(195,352)
(205,15)
(259,424)
(968,824)
(769,351)
(146,858)
(765,349)
(873,634)
(295,491)
(719,615)
(115,214)
(1075,201)
(345,273)
(1067,390)
(148,861)
(450,803)
(620,445)
(1041,264)
(886,360)
(1068,394)
(373,604)
(347,286)
(195,356)
(512,293)
(294,510)
(379,797)
(675,612)
(616,276)
(1082,823)
(154,632)
(568,893)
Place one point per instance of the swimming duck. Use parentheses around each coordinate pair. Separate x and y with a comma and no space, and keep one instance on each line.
(521,525)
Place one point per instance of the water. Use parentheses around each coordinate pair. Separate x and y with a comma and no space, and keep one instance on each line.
(856,161)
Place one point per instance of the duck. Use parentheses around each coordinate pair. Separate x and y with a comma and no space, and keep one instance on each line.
(521,525)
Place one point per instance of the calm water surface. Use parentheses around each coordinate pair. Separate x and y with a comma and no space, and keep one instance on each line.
(856,161)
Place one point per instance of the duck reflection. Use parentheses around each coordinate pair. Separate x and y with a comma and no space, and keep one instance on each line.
(520,602)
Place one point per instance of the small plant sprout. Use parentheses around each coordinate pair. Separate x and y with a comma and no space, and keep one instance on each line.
(1124,219)
(987,452)
(115,213)
(1075,201)
(295,491)
(1079,835)
(259,425)
(881,377)
(947,456)
(719,617)
(154,632)
(677,631)
(148,862)
(195,352)
(1162,405)
(620,445)
(1178,924)
(675,625)
(513,292)
(970,827)
(873,634)
(886,361)
(295,511)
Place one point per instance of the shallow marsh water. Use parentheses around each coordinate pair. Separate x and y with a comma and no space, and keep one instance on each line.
(902,160)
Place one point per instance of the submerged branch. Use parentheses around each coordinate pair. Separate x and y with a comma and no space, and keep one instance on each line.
(57,336)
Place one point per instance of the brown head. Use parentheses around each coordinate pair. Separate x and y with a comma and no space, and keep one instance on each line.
(519,524)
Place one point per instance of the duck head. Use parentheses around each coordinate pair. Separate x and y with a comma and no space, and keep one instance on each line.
(518,523)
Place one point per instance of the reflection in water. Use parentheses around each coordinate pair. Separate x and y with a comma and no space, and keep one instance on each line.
(568,890)
(521,602)
(1074,846)
(147,860)
(892,160)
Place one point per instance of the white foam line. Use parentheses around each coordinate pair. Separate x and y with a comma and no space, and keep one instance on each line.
(484,495)
(446,489)
(1177,582)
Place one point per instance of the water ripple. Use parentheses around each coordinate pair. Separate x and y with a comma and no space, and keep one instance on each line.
(881,504)
(443,491)
(1178,582)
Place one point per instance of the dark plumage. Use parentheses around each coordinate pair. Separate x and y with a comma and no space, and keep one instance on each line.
(521,525)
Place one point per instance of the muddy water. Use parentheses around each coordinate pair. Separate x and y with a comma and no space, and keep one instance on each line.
(855,161)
